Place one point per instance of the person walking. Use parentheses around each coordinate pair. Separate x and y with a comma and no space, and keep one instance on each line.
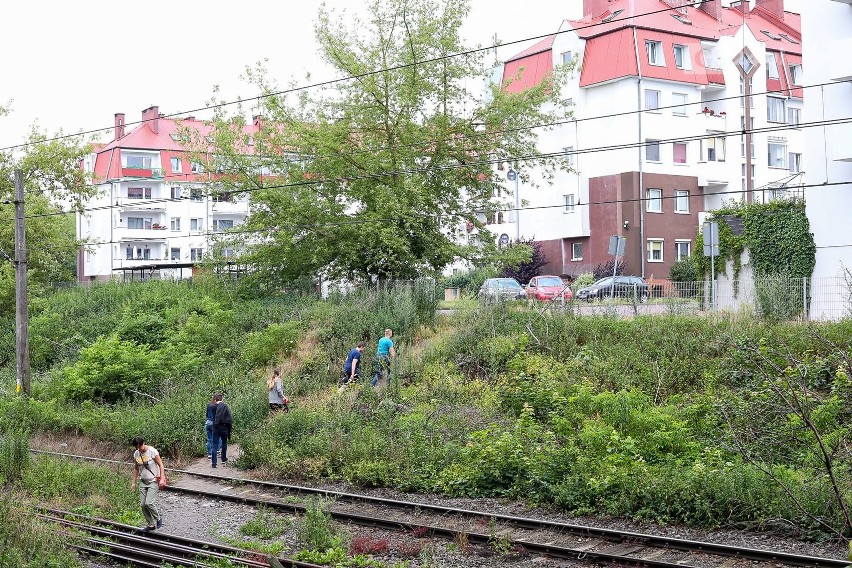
(208,426)
(222,423)
(277,400)
(148,469)
(352,366)
(384,352)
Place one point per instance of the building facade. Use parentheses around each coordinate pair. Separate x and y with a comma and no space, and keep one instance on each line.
(826,26)
(676,109)
(158,209)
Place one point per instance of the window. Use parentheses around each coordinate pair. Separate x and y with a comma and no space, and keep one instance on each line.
(750,90)
(175,223)
(652,150)
(771,66)
(576,251)
(228,253)
(655,250)
(138,193)
(682,250)
(175,254)
(713,149)
(568,203)
(655,53)
(679,152)
(129,253)
(679,104)
(177,165)
(196,224)
(195,254)
(795,162)
(567,57)
(611,17)
(681,56)
(796,74)
(222,224)
(138,162)
(777,153)
(652,99)
(774,109)
(196,167)
(175,193)
(139,222)
(655,200)
(223,197)
(196,194)
(681,201)
(794,116)
(745,63)
(146,254)
(569,155)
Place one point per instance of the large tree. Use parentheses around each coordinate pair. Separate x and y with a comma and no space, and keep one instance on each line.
(378,174)
(54,186)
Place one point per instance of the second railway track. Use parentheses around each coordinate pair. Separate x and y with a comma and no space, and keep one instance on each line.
(537,536)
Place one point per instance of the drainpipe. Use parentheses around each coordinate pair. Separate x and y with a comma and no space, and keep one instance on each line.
(641,173)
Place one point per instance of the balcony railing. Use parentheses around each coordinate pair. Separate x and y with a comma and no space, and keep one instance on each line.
(142,172)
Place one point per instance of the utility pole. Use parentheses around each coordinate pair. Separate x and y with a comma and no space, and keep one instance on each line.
(22,317)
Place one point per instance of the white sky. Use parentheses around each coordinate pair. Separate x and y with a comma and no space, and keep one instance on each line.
(73,65)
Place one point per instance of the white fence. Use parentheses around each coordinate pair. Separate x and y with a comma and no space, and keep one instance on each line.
(775,298)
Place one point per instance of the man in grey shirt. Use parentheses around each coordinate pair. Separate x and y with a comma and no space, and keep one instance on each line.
(149,470)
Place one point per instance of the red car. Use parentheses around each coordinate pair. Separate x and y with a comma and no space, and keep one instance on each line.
(546,288)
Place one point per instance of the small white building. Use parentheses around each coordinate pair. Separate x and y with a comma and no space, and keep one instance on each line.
(827,33)
(158,208)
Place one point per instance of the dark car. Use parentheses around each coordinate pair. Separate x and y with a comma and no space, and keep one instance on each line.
(499,289)
(546,288)
(625,286)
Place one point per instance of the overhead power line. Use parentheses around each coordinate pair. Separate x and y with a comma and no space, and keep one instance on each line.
(343,79)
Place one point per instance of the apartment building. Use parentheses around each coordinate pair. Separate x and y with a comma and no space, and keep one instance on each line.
(676,109)
(826,28)
(158,207)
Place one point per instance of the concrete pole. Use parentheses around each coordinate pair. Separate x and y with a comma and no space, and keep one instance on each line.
(22,323)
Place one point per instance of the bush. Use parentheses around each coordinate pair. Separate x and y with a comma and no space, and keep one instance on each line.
(605,269)
(276,341)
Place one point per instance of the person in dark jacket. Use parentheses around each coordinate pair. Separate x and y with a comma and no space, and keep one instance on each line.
(208,427)
(222,423)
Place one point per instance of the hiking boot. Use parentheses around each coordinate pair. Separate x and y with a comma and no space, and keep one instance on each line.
(159,523)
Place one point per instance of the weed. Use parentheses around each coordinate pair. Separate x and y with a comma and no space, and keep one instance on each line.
(265,525)
(316,529)
(14,455)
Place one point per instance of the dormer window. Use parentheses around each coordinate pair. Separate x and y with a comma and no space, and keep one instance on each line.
(611,17)
(796,74)
(655,53)
(681,57)
(771,66)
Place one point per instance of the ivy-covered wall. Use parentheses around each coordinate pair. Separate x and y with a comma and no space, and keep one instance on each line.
(776,234)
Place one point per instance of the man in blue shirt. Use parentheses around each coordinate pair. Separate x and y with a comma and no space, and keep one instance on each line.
(352,366)
(383,354)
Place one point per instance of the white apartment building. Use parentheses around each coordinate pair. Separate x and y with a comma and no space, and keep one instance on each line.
(158,207)
(827,29)
(656,140)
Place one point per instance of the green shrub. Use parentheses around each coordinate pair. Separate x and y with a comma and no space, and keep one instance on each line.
(14,455)
(27,543)
(276,341)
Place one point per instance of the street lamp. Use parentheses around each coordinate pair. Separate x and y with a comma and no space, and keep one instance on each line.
(512,175)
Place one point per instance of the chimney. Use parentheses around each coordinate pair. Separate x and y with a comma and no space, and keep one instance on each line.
(595,8)
(119,125)
(151,116)
(743,6)
(713,8)
(775,7)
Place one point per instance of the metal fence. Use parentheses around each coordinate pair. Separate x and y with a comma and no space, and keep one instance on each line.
(771,298)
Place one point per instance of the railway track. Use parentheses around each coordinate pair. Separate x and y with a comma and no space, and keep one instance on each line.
(125,544)
(530,535)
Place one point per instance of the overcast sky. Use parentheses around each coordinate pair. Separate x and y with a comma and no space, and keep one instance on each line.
(73,65)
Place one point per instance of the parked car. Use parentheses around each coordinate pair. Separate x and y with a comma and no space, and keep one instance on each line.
(499,289)
(546,288)
(625,286)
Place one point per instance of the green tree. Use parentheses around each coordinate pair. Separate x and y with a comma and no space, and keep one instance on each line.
(378,175)
(54,183)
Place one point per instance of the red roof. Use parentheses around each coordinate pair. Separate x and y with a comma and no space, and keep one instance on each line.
(529,67)
(610,52)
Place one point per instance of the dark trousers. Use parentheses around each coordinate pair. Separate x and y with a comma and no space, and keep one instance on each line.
(220,438)
(382,366)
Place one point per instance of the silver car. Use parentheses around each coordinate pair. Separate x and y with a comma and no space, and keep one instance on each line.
(499,289)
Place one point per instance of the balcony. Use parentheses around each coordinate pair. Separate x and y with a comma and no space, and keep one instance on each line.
(146,173)
(712,174)
(230,207)
(134,204)
(159,235)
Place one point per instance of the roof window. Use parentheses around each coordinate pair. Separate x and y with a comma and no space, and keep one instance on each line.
(611,17)
(770,34)
(175,136)
(681,19)
(788,38)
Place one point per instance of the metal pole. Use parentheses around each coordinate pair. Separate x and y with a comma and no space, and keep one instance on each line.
(805,297)
(615,269)
(22,336)
(712,281)
(517,211)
